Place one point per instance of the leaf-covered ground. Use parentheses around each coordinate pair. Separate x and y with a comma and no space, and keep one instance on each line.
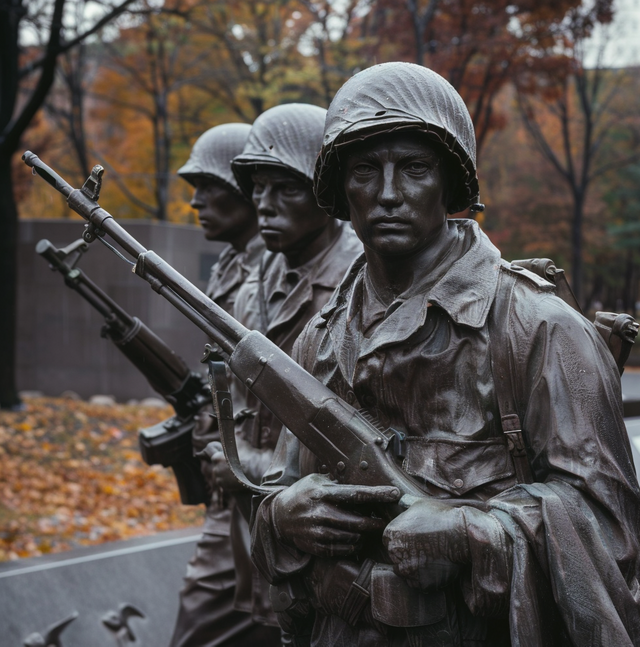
(71,475)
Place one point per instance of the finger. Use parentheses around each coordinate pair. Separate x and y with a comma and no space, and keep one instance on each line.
(358,494)
(327,550)
(218,457)
(358,524)
(328,535)
(221,470)
(340,550)
(351,521)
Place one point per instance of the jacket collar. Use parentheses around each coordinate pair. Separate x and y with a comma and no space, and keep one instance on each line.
(465,292)
(324,271)
(233,267)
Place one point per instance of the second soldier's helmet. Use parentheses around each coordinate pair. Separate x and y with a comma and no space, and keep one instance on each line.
(212,153)
(287,136)
(392,97)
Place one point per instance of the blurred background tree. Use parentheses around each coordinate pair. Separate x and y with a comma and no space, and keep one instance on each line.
(27,74)
(554,130)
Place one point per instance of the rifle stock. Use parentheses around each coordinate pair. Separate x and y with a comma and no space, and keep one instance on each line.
(351,446)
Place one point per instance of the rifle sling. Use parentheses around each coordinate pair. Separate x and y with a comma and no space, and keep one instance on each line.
(223,406)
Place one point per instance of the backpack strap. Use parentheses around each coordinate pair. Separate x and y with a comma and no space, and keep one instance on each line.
(502,370)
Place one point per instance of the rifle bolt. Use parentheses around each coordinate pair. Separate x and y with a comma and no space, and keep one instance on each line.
(340,466)
(378,441)
(364,465)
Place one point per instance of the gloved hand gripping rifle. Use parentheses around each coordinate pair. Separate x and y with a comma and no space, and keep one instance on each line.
(350,445)
(169,442)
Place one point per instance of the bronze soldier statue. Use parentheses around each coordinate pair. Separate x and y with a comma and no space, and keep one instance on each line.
(307,255)
(504,401)
(207,614)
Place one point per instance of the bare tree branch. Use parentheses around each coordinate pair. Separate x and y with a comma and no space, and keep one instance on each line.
(65,47)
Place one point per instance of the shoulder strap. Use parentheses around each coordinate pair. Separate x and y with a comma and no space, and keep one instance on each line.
(501,367)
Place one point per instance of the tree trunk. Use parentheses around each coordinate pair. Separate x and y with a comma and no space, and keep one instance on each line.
(576,246)
(8,286)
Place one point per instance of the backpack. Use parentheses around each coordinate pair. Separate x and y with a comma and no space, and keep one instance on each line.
(618,331)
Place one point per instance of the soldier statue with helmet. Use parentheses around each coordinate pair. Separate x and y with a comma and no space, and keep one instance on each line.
(219,575)
(504,400)
(307,254)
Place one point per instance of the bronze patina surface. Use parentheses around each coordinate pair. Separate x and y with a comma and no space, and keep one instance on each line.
(433,335)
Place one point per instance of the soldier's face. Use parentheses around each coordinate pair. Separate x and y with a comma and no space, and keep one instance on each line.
(223,214)
(288,214)
(394,188)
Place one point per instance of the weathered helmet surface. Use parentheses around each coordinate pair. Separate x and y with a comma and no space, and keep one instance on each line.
(391,97)
(288,136)
(212,153)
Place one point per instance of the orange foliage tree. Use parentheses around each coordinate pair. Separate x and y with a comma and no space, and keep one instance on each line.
(581,119)
(478,46)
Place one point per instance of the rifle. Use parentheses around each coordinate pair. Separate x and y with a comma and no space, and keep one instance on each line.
(167,443)
(351,445)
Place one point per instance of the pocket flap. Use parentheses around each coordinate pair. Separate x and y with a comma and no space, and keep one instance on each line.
(395,603)
(458,466)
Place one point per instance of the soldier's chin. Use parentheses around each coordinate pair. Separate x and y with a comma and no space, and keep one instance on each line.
(390,244)
(210,232)
(272,239)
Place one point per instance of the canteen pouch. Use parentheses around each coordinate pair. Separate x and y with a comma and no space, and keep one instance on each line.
(395,603)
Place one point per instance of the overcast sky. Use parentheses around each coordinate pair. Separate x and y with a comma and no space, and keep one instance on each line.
(623,36)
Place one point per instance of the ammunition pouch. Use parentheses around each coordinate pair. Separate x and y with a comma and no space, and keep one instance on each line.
(295,614)
(169,444)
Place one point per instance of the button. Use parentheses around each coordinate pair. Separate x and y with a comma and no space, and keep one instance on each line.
(364,465)
(458,483)
(340,466)
(266,432)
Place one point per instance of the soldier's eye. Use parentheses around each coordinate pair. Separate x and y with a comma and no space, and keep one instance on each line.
(290,189)
(418,168)
(363,170)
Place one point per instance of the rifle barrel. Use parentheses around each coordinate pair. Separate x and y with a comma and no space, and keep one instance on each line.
(77,280)
(216,323)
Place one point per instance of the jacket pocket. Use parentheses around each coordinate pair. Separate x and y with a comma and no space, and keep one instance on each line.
(457,465)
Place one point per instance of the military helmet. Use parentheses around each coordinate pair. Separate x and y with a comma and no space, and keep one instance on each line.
(392,97)
(212,153)
(287,136)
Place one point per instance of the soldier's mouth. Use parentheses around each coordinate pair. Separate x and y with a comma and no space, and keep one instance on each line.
(389,221)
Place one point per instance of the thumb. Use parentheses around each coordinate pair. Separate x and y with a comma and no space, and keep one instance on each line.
(211,449)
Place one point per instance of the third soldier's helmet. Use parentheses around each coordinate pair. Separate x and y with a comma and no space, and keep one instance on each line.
(212,153)
(392,97)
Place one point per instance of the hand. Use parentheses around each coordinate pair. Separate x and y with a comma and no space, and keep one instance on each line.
(428,543)
(216,469)
(316,515)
